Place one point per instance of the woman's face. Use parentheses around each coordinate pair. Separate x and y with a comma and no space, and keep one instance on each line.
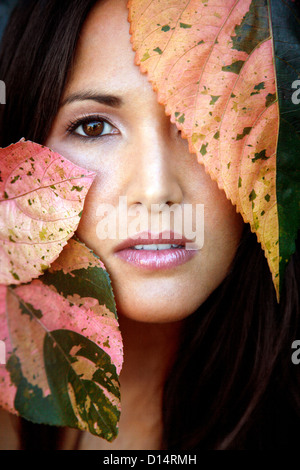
(110,122)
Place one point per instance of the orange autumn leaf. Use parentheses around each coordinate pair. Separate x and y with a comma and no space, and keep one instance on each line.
(218,84)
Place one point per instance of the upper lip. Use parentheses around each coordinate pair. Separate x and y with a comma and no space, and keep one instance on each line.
(147,238)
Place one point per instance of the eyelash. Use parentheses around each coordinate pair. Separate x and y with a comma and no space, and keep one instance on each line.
(73,125)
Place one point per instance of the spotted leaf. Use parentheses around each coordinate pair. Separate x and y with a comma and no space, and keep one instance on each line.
(41,200)
(224,72)
(64,347)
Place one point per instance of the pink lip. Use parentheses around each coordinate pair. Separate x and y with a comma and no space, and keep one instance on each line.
(155,259)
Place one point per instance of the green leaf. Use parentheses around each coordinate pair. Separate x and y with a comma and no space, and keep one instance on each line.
(80,374)
(285,17)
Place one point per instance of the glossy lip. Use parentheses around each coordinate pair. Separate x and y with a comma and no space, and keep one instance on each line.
(155,259)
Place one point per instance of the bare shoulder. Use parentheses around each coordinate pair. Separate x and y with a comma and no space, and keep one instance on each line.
(8,431)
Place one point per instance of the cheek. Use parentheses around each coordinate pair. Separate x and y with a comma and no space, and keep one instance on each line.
(223,231)
(104,193)
(223,226)
(223,223)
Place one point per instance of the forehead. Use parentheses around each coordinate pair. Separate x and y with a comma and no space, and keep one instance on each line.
(104,55)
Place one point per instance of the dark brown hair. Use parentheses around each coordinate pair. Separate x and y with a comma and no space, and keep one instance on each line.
(233,384)
(233,379)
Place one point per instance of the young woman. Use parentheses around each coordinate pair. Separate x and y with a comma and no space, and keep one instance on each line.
(207,361)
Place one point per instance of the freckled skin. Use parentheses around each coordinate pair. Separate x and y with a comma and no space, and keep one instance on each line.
(145,159)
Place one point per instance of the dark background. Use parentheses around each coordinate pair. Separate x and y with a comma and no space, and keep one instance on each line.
(6,7)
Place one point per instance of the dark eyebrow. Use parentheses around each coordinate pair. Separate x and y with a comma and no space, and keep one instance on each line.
(110,100)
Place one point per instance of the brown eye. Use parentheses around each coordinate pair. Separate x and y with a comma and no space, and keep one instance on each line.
(93,129)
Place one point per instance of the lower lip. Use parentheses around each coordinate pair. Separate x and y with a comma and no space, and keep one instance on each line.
(156,259)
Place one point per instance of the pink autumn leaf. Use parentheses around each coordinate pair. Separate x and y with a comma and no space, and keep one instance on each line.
(41,199)
(64,346)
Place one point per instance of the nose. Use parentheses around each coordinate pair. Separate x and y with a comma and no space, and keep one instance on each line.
(155,177)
